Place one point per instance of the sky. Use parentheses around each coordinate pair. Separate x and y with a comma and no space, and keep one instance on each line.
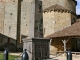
(78,7)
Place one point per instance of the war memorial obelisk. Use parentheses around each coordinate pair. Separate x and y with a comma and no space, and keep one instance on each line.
(36,21)
(36,45)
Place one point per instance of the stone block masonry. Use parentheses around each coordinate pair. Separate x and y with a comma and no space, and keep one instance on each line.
(8,17)
(10,21)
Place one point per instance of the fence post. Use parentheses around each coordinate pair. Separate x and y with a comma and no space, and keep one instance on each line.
(25,55)
(6,54)
(69,55)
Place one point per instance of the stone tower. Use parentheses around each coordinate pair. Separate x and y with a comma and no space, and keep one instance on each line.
(58,14)
(54,19)
(70,4)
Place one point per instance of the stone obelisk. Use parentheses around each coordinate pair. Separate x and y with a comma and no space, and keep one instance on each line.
(36,21)
(35,27)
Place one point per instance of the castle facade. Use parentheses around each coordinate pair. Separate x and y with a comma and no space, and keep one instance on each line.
(57,14)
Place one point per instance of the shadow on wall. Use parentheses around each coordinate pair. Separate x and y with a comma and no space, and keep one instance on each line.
(23,36)
(10,43)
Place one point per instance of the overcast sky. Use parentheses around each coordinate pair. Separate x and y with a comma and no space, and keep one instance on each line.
(78,7)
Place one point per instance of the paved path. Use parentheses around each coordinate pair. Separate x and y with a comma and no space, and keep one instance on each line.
(17,54)
(62,57)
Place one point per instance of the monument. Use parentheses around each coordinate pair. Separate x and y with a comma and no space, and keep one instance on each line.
(37,46)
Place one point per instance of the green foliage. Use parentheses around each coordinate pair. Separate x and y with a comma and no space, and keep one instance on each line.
(1,56)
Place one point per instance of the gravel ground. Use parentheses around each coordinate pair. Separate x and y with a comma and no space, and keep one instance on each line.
(59,57)
(64,57)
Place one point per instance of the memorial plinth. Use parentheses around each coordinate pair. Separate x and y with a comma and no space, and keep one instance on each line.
(37,48)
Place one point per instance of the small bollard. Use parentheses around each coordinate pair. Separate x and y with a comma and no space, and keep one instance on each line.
(69,55)
(25,55)
(6,54)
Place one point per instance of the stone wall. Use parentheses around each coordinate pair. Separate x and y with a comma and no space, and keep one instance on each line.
(57,45)
(2,9)
(69,4)
(8,17)
(73,18)
(62,20)
(48,23)
(25,18)
(56,21)
(10,21)
(2,13)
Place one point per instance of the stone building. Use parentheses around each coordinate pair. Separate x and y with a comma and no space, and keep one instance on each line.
(57,15)
(56,18)
(60,15)
(70,35)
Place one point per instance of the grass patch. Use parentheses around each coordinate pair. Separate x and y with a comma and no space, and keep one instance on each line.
(1,56)
(11,57)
